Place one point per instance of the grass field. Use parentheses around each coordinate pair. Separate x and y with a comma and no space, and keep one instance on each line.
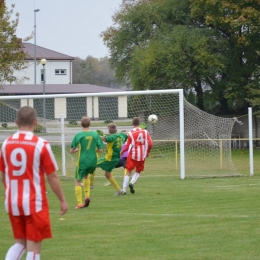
(167,218)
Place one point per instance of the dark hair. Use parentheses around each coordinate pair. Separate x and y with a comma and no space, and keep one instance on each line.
(26,116)
(136,121)
(112,128)
(85,121)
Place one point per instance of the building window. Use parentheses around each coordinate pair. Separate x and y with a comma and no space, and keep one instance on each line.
(60,72)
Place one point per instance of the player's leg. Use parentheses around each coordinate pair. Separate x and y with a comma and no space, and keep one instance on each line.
(17,250)
(119,164)
(109,183)
(91,178)
(139,166)
(33,250)
(130,165)
(126,180)
(124,165)
(113,182)
(78,189)
(86,182)
(108,166)
(135,177)
(100,164)
(38,228)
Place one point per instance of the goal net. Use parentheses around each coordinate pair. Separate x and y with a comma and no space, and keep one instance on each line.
(187,142)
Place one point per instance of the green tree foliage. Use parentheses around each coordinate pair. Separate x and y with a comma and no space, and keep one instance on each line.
(238,23)
(207,46)
(12,56)
(157,46)
(94,71)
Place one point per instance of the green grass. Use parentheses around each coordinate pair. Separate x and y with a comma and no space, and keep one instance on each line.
(8,128)
(167,218)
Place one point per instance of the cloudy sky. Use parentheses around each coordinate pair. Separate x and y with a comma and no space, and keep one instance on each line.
(69,27)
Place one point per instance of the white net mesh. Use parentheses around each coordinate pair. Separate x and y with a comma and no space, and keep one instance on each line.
(207,137)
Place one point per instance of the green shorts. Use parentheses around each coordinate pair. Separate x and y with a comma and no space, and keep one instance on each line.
(81,173)
(105,165)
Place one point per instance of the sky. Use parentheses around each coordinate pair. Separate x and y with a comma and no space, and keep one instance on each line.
(69,27)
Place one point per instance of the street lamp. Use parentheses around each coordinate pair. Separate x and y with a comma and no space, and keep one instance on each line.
(43,62)
(35,11)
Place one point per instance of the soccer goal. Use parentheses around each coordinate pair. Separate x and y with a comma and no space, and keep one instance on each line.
(187,142)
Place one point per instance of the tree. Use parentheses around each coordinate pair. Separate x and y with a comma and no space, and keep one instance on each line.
(12,56)
(156,45)
(238,23)
(206,45)
(94,71)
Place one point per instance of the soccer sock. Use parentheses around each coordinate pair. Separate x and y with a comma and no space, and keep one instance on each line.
(125,183)
(87,187)
(32,256)
(125,171)
(114,183)
(15,252)
(78,192)
(135,177)
(91,177)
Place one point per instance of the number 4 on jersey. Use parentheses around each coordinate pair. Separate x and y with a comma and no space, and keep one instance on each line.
(140,138)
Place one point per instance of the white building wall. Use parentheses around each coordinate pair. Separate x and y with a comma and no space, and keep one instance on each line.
(122,106)
(27,102)
(50,67)
(96,107)
(89,107)
(60,107)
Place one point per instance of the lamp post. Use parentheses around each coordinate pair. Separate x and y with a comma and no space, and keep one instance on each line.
(35,11)
(43,62)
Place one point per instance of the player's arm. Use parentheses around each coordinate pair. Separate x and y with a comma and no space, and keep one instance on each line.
(49,165)
(54,182)
(103,138)
(72,150)
(150,144)
(2,169)
(100,144)
(74,146)
(2,177)
(126,147)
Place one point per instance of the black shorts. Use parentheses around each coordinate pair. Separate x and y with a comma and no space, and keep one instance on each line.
(121,163)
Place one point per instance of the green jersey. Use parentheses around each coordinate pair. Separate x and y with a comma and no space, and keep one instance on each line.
(123,136)
(114,144)
(87,142)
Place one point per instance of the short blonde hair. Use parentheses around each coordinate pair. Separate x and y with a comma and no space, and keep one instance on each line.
(112,128)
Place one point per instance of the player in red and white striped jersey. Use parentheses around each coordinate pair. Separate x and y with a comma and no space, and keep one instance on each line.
(25,159)
(139,144)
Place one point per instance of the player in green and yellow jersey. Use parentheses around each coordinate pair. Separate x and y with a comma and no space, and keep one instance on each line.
(109,162)
(86,143)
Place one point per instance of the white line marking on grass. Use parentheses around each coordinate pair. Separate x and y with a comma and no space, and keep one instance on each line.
(163,214)
(238,185)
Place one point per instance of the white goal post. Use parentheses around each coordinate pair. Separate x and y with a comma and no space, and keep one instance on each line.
(187,142)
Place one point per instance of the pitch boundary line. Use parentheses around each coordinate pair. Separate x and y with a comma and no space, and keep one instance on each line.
(238,185)
(161,215)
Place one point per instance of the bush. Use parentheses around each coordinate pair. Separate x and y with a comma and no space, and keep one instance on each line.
(4,125)
(73,122)
(39,128)
(108,121)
